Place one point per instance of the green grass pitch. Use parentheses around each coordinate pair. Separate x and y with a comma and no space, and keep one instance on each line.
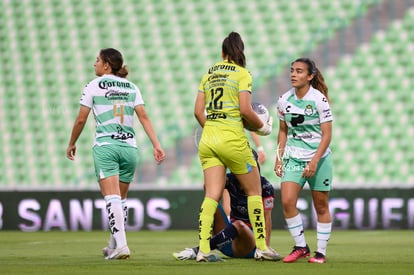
(349,252)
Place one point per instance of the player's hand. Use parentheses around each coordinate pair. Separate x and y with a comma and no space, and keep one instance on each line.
(71,152)
(266,128)
(261,157)
(278,169)
(309,170)
(159,154)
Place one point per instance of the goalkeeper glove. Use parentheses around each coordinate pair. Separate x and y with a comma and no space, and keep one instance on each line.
(266,128)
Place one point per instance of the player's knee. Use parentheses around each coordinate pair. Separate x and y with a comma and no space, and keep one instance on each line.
(237,224)
(288,205)
(321,210)
(240,226)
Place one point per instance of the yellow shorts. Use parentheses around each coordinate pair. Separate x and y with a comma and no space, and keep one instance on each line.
(227,147)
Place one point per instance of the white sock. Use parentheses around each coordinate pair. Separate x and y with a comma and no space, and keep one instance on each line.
(116,219)
(125,211)
(323,233)
(112,242)
(295,227)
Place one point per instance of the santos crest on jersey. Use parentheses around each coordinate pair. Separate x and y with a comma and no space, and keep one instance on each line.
(303,118)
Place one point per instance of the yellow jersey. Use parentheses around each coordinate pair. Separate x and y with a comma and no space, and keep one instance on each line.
(224,140)
(221,86)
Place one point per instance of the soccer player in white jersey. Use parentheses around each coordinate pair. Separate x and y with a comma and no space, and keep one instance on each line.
(114,100)
(304,136)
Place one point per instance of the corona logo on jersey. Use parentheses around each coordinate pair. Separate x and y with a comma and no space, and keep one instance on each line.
(108,83)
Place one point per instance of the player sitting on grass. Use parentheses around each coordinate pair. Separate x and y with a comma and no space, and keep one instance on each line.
(234,237)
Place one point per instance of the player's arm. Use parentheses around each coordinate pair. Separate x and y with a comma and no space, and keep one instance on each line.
(146,123)
(326,129)
(199,108)
(259,148)
(325,118)
(281,144)
(247,111)
(78,126)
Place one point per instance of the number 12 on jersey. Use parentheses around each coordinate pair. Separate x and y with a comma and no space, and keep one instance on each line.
(216,103)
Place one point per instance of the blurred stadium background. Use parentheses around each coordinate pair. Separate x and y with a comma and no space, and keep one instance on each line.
(364,48)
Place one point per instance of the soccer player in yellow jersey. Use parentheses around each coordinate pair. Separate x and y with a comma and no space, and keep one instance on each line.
(225,94)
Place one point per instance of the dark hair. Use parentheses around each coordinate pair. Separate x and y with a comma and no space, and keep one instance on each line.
(318,81)
(115,60)
(233,49)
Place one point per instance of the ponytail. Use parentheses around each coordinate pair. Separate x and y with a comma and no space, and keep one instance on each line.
(318,82)
(123,72)
(233,49)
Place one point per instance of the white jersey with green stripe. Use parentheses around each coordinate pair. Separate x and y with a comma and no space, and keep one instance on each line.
(303,118)
(112,100)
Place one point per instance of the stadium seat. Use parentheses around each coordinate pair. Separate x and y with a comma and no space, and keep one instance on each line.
(49,48)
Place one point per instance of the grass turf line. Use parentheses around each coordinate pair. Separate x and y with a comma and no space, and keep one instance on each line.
(349,252)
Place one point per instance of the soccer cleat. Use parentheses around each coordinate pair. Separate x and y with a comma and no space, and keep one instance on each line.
(319,258)
(209,257)
(186,254)
(106,251)
(269,255)
(297,253)
(119,254)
